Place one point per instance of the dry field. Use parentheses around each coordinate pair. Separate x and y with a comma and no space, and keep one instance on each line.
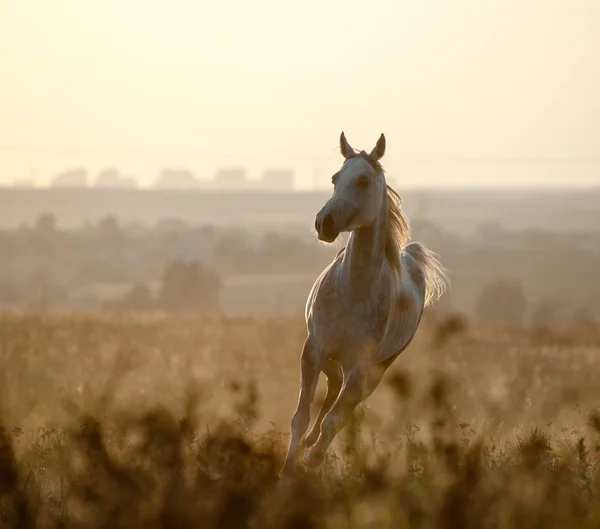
(128,420)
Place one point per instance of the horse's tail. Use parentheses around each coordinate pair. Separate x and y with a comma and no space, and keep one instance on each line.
(436,276)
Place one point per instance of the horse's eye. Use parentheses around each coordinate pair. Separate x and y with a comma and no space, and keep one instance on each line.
(363,180)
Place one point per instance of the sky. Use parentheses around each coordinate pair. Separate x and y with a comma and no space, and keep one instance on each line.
(144,83)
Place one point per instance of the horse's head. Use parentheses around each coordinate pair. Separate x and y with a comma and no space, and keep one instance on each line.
(358,191)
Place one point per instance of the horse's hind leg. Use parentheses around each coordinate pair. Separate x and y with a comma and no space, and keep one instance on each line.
(335,378)
(310,370)
(359,384)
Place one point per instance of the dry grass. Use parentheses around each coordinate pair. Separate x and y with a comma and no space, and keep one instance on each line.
(181,421)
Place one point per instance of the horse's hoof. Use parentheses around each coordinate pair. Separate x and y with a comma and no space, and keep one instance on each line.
(290,472)
(312,458)
(285,481)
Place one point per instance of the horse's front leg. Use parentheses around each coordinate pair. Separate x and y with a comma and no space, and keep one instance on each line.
(310,368)
(358,385)
(335,379)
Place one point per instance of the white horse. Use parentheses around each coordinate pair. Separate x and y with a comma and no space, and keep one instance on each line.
(365,307)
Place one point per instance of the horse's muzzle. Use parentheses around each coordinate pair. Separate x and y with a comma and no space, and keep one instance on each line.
(326,229)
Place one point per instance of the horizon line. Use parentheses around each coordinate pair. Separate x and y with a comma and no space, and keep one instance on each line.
(254,190)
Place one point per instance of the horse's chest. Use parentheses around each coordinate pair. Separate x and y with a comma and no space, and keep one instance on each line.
(348,325)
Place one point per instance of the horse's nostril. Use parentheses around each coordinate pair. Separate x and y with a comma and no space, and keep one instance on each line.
(317,224)
(327,223)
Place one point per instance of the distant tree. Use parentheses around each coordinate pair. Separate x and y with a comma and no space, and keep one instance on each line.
(189,286)
(44,242)
(139,297)
(545,312)
(502,301)
(208,231)
(109,227)
(45,223)
(583,315)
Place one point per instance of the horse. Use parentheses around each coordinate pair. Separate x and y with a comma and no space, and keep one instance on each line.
(364,308)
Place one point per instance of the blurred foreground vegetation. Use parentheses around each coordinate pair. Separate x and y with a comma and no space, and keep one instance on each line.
(128,420)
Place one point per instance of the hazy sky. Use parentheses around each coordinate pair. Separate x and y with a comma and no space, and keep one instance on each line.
(141,79)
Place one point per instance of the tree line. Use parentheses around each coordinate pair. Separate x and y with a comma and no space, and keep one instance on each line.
(496,275)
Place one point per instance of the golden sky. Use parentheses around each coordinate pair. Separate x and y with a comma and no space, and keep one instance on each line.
(274,79)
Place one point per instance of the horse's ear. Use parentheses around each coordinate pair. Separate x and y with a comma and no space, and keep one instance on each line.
(345,147)
(379,149)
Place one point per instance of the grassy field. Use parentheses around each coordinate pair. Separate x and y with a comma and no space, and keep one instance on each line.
(155,420)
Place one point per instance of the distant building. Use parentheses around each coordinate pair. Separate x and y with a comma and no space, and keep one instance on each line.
(278,179)
(231,179)
(112,178)
(76,177)
(176,179)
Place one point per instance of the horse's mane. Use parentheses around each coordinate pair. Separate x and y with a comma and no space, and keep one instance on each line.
(398,229)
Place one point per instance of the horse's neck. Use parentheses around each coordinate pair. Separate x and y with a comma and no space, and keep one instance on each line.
(365,253)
